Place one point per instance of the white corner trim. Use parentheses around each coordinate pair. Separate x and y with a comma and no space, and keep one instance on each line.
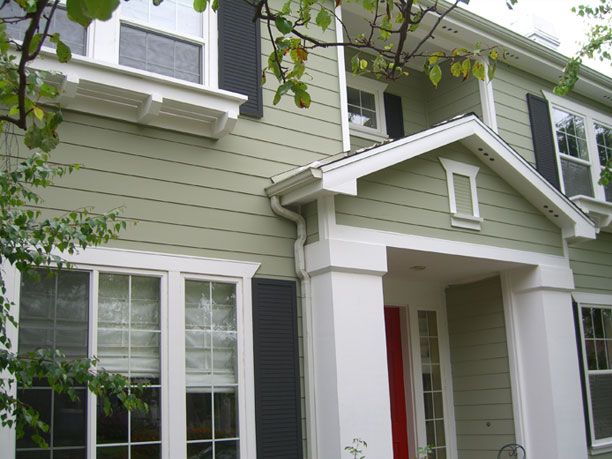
(137,96)
(377,88)
(487,100)
(346,135)
(470,171)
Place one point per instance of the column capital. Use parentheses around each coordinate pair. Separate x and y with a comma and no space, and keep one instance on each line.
(542,277)
(345,256)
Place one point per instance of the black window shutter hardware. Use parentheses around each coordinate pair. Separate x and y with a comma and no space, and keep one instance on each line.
(277,375)
(240,54)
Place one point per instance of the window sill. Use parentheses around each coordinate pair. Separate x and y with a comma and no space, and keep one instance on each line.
(599,211)
(466,221)
(601,449)
(367,133)
(142,97)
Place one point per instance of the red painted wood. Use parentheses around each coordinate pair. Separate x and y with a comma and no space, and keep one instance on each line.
(396,383)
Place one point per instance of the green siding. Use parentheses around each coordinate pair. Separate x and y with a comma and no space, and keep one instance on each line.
(412,198)
(510,88)
(481,376)
(591,262)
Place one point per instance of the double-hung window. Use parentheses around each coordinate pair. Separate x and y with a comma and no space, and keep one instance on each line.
(183,334)
(366,112)
(595,320)
(583,140)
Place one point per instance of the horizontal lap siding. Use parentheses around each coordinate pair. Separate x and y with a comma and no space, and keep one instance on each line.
(481,376)
(412,198)
(198,196)
(591,262)
(453,97)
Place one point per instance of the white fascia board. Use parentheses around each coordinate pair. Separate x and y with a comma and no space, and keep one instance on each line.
(535,188)
(137,96)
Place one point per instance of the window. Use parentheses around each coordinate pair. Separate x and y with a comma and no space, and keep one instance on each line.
(596,338)
(583,139)
(179,333)
(74,35)
(366,111)
(462,194)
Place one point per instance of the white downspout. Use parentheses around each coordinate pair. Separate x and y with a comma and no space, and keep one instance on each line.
(300,270)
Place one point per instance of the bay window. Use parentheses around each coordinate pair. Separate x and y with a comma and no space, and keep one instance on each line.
(595,324)
(583,141)
(178,325)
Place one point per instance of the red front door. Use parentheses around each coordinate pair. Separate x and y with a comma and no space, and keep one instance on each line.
(396,383)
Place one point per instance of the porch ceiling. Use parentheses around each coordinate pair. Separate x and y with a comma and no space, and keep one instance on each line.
(441,268)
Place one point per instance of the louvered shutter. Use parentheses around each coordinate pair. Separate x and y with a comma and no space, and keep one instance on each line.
(394,116)
(240,54)
(277,376)
(543,139)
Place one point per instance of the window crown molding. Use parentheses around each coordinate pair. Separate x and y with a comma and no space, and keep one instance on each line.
(127,94)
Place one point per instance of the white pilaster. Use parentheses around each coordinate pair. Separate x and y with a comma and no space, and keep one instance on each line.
(352,384)
(547,362)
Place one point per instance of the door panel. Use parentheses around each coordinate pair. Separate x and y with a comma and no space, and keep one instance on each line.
(396,383)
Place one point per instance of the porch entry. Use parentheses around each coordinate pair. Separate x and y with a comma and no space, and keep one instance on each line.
(415,383)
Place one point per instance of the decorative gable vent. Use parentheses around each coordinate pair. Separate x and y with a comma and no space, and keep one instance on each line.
(462,194)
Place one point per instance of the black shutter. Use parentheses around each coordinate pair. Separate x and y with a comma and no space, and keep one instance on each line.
(543,140)
(394,116)
(277,375)
(240,54)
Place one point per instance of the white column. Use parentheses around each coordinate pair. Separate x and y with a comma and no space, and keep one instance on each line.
(547,359)
(350,355)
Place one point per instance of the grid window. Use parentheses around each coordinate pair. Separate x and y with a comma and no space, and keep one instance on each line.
(596,323)
(54,315)
(603,137)
(129,343)
(73,34)
(571,137)
(170,15)
(211,370)
(362,108)
(432,384)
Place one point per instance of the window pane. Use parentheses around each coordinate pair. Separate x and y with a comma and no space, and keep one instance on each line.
(362,108)
(353,96)
(70,420)
(112,452)
(145,452)
(576,178)
(112,428)
(603,137)
(172,15)
(153,52)
(40,400)
(211,367)
(74,35)
(571,137)
(601,404)
(146,427)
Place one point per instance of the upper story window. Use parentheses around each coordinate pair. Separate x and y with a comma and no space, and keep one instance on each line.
(366,112)
(584,144)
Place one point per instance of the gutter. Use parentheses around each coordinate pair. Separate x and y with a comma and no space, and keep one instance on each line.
(300,270)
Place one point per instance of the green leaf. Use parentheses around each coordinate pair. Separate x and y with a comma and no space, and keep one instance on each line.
(61,49)
(77,12)
(283,25)
(435,74)
(478,70)
(323,19)
(456,69)
(101,9)
(301,98)
(280,91)
(200,5)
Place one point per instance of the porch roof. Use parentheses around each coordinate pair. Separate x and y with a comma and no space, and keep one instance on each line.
(339,174)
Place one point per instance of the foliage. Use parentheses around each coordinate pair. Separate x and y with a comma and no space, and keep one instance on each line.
(357,448)
(423,452)
(598,45)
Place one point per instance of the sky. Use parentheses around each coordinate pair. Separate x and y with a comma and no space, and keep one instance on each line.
(570,29)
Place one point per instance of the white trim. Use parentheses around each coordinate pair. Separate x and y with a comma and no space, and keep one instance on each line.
(590,117)
(599,211)
(513,344)
(487,100)
(344,121)
(601,301)
(469,221)
(341,176)
(172,270)
(377,88)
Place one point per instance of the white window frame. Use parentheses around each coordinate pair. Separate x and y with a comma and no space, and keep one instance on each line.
(377,88)
(598,301)
(590,117)
(104,44)
(172,270)
(471,221)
